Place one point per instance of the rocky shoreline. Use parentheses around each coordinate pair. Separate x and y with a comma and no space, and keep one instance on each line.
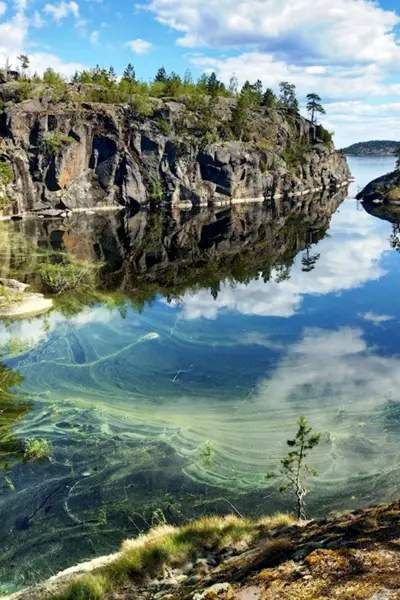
(352,555)
(70,156)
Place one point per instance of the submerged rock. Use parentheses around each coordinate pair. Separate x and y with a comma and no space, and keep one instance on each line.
(17,303)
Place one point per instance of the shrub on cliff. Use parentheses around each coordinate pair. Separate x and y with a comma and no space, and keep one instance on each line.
(56,141)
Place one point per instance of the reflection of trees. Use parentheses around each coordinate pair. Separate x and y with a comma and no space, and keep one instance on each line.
(395,237)
(309,261)
(13,407)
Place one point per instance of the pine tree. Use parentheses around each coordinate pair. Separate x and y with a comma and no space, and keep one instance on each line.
(161,75)
(287,97)
(269,99)
(293,468)
(314,106)
(129,74)
(25,62)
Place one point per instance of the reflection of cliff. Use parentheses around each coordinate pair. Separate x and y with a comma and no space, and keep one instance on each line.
(170,252)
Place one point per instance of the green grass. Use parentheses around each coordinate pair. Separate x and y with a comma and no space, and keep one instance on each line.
(167,546)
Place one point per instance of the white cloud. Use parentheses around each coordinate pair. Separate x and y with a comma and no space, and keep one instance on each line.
(62,10)
(355,30)
(37,20)
(3,8)
(40,61)
(139,46)
(376,319)
(94,37)
(333,82)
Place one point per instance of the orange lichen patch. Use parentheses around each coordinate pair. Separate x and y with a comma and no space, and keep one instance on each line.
(346,574)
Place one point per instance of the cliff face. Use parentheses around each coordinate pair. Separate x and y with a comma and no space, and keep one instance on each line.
(84,155)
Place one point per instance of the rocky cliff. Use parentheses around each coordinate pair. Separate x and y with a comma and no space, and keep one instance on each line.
(82,155)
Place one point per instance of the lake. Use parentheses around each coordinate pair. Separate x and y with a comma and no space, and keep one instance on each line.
(171,392)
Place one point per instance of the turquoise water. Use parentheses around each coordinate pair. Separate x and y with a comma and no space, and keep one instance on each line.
(179,406)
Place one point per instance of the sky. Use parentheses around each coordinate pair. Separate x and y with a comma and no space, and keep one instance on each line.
(347,51)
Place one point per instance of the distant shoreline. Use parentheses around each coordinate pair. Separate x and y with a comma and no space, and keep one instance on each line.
(372,148)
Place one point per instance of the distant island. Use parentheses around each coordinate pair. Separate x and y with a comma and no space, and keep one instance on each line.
(372,148)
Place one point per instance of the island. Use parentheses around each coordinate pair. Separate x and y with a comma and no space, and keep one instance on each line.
(372,148)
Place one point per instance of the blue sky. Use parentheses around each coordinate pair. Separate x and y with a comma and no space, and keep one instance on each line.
(348,51)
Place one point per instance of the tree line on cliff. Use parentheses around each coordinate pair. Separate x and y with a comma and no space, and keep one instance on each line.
(110,88)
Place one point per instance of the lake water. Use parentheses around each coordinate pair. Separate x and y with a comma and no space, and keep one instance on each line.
(173,397)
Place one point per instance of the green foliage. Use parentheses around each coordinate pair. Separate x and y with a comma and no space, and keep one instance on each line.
(6,173)
(65,277)
(269,100)
(287,97)
(24,91)
(373,147)
(129,74)
(165,126)
(156,193)
(295,151)
(50,77)
(314,106)
(140,103)
(239,117)
(325,136)
(161,75)
(36,450)
(55,141)
(25,62)
(294,471)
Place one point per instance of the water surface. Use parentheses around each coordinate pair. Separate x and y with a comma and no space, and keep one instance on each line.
(175,396)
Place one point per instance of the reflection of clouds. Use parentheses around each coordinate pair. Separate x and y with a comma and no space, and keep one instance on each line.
(33,331)
(348,260)
(376,319)
(338,365)
(342,386)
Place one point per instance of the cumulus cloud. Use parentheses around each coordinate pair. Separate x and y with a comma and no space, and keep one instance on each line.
(62,10)
(139,46)
(376,319)
(355,30)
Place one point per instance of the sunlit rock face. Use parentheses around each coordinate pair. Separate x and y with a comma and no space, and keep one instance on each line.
(105,155)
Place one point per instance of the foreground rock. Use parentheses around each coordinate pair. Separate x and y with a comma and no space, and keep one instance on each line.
(89,155)
(352,556)
(385,189)
(16,302)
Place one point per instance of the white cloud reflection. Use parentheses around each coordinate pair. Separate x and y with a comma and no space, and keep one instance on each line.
(348,259)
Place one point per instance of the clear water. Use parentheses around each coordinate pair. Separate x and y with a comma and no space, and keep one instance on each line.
(180,408)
